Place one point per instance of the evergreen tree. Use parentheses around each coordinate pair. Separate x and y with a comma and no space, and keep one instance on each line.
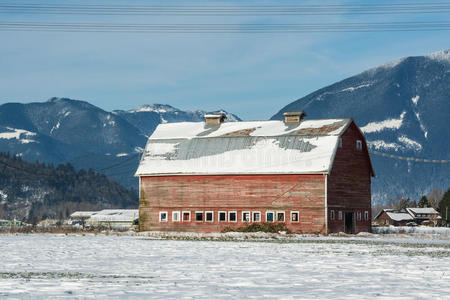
(444,207)
(424,202)
(403,204)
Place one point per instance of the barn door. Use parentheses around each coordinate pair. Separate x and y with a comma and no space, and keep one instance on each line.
(349,222)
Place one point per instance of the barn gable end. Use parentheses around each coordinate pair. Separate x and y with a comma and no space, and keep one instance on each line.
(348,187)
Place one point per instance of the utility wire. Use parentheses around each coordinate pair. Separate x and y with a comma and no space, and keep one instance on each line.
(436,161)
(224,10)
(225,28)
(119,163)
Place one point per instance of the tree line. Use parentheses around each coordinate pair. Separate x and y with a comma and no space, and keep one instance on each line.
(35,191)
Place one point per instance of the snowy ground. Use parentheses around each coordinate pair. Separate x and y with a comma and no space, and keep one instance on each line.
(109,266)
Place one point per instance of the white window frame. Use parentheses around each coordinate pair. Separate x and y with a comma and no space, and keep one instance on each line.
(229,214)
(273,218)
(182,215)
(332,216)
(212,214)
(366,215)
(340,142)
(203,216)
(280,212)
(179,216)
(340,215)
(358,145)
(218,216)
(253,216)
(358,215)
(160,215)
(249,216)
(298,216)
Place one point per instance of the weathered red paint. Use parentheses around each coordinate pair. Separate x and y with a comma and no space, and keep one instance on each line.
(349,182)
(303,193)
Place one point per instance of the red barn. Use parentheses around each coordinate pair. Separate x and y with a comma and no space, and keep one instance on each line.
(312,175)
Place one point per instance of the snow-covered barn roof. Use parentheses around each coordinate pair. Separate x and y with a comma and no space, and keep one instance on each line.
(257,147)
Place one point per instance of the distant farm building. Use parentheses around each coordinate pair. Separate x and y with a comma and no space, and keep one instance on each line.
(413,215)
(312,175)
(114,218)
(10,223)
(393,217)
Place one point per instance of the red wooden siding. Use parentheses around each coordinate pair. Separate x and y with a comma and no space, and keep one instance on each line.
(349,183)
(303,193)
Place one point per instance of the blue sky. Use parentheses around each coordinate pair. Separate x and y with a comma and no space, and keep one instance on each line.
(251,75)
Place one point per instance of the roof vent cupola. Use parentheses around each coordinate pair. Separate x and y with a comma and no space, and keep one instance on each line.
(293,116)
(215,119)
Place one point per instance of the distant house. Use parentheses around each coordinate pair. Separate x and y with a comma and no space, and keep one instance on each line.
(420,216)
(393,217)
(114,218)
(425,215)
(312,175)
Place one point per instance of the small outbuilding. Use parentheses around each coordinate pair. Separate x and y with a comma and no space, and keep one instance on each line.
(312,175)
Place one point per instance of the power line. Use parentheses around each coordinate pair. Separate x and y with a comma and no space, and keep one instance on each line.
(436,161)
(119,163)
(224,10)
(225,28)
(120,173)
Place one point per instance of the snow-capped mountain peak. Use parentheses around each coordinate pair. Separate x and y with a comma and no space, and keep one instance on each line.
(158,108)
(402,107)
(443,56)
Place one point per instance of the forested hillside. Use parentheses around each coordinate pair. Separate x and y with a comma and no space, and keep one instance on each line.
(35,191)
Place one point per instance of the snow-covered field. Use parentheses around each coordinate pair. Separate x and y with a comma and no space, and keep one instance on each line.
(109,266)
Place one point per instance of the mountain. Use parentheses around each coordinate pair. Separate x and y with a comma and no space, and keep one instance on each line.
(403,108)
(63,130)
(147,117)
(35,191)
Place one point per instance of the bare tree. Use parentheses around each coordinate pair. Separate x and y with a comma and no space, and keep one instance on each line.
(434,197)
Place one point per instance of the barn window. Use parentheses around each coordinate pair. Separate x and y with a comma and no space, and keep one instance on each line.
(175,216)
(359,145)
(209,216)
(280,216)
(222,216)
(186,216)
(256,216)
(340,215)
(358,214)
(198,216)
(163,216)
(270,216)
(245,216)
(232,216)
(366,215)
(340,143)
(294,216)
(332,214)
